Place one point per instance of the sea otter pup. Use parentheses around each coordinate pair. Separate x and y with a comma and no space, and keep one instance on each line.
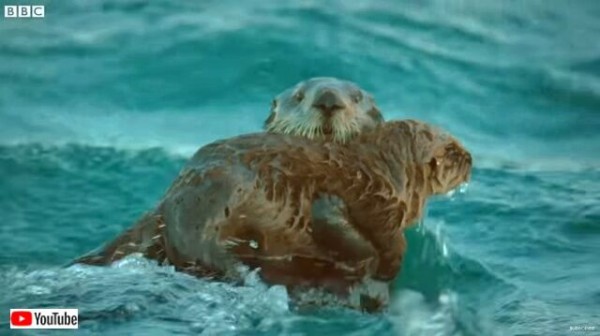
(310,215)
(323,108)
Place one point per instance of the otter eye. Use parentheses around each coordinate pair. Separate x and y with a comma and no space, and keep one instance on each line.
(433,164)
(299,96)
(357,97)
(375,114)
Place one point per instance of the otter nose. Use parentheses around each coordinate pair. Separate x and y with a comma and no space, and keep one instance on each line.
(328,102)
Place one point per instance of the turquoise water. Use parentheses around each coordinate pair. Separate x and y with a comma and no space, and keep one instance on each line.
(101,102)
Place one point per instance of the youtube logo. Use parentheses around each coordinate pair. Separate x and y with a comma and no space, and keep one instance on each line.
(21,318)
(46,318)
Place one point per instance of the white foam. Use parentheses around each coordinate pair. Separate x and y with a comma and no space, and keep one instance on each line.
(411,315)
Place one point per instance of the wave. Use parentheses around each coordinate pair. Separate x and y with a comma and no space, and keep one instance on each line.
(167,146)
(146,291)
(176,80)
(136,289)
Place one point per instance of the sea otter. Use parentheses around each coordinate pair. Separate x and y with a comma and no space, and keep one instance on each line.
(323,108)
(310,215)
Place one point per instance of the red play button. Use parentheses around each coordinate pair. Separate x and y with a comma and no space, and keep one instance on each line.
(20,318)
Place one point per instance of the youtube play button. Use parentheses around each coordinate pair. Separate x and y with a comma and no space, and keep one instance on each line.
(21,318)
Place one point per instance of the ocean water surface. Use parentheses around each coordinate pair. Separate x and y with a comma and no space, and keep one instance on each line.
(102,102)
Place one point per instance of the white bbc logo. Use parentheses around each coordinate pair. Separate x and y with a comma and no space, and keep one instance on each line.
(24,11)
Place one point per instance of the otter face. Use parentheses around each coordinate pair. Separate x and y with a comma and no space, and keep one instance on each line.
(323,108)
(447,162)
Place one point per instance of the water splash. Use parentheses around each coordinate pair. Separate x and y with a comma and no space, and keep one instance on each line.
(460,189)
(135,288)
(413,315)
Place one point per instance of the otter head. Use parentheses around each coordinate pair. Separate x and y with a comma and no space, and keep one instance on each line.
(323,108)
(446,162)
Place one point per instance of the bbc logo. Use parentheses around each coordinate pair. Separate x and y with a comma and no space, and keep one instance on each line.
(24,11)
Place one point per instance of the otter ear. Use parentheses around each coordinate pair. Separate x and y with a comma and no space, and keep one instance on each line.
(376,115)
(271,114)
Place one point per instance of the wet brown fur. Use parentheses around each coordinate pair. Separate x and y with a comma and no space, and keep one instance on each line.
(310,215)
